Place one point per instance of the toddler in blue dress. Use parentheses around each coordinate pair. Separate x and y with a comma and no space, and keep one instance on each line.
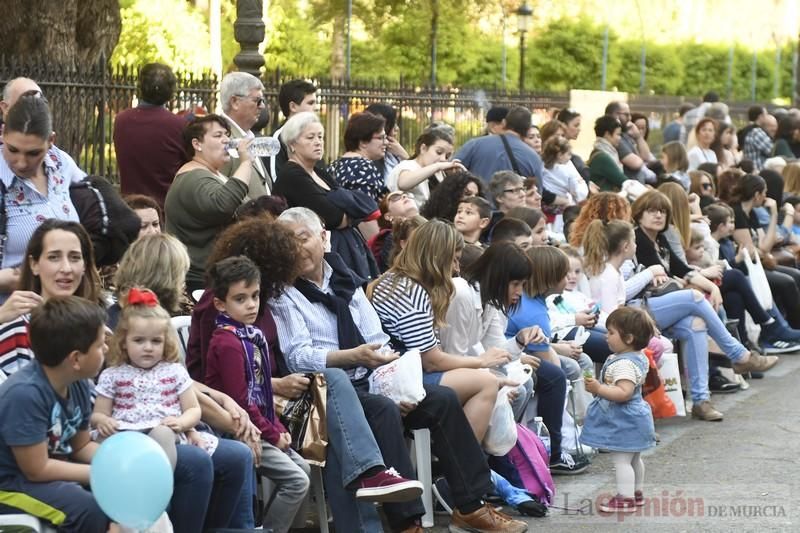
(618,419)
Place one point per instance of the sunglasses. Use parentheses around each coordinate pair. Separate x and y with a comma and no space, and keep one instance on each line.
(706,186)
(259,100)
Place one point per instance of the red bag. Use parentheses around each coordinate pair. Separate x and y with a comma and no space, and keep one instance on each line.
(654,393)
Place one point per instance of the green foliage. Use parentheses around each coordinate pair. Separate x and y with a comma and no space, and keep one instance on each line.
(180,39)
(297,43)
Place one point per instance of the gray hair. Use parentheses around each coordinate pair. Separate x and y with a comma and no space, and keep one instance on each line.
(237,84)
(304,217)
(295,126)
(501,179)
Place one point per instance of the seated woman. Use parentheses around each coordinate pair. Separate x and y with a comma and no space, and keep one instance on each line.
(605,167)
(365,142)
(353,457)
(305,184)
(325,320)
(148,211)
(201,200)
(705,131)
(34,181)
(686,314)
(432,153)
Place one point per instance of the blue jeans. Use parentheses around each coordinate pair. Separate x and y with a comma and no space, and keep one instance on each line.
(352,450)
(204,483)
(674,314)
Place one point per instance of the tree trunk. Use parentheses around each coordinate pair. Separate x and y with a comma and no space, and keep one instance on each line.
(62,46)
(337,46)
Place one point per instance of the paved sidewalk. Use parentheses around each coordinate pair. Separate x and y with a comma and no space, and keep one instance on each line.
(742,474)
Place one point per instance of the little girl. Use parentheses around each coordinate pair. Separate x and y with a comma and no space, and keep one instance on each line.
(606,245)
(618,419)
(146,388)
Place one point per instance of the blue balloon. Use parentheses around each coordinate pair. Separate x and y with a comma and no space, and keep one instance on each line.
(131,479)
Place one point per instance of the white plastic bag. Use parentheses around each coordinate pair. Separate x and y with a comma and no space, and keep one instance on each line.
(671,375)
(758,279)
(400,380)
(502,433)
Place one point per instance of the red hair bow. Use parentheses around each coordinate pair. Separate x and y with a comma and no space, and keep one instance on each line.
(144,297)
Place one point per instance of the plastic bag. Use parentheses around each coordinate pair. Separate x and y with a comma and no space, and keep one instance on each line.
(758,279)
(671,375)
(657,398)
(502,433)
(400,380)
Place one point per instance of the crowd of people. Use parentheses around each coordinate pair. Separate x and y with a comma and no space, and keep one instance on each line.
(508,263)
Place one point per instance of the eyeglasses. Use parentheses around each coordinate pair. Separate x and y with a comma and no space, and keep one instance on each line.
(259,100)
(515,190)
(656,211)
(382,137)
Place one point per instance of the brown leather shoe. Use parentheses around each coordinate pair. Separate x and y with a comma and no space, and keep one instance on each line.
(705,411)
(413,528)
(485,520)
(756,363)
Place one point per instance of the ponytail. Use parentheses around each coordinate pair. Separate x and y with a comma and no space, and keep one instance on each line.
(601,241)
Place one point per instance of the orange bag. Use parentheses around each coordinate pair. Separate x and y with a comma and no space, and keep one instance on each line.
(654,393)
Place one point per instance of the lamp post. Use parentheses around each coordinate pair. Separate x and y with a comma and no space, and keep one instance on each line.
(524,16)
(248,30)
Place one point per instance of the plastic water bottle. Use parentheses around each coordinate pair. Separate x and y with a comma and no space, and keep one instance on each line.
(260,147)
(542,432)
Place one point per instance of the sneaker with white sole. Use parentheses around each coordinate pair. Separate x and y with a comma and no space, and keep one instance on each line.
(776,346)
(569,465)
(388,486)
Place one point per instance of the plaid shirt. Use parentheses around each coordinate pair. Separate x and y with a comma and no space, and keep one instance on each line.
(757,147)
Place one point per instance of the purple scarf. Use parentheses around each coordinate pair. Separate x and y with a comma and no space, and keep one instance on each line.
(252,336)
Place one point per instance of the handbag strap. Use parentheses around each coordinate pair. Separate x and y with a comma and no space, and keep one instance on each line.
(510,153)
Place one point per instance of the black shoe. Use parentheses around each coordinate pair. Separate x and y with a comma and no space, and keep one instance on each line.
(719,384)
(532,508)
(569,465)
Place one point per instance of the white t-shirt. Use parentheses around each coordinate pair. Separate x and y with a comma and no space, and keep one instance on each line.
(608,289)
(421,192)
(565,180)
(698,156)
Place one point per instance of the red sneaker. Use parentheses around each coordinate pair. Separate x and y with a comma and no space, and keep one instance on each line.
(618,504)
(638,498)
(388,486)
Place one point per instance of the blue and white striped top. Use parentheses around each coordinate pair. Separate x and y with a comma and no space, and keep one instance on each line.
(404,308)
(27,208)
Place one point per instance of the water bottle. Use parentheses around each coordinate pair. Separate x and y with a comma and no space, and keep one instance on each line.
(260,147)
(542,432)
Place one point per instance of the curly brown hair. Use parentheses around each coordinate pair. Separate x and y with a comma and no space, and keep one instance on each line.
(603,206)
(269,244)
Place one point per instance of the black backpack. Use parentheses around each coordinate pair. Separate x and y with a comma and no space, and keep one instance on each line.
(108,220)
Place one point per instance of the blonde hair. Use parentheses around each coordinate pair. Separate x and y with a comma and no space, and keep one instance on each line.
(158,262)
(428,260)
(676,155)
(791,179)
(601,240)
(681,217)
(118,353)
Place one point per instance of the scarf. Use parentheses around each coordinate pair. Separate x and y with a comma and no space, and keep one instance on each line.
(601,145)
(259,394)
(343,283)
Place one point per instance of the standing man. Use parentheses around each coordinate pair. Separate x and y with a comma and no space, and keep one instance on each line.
(676,130)
(148,139)
(242,97)
(633,149)
(294,97)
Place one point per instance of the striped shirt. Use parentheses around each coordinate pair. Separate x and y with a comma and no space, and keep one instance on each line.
(15,346)
(405,312)
(307,331)
(27,208)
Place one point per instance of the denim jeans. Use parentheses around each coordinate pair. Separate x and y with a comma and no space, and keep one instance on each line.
(352,450)
(204,483)
(674,314)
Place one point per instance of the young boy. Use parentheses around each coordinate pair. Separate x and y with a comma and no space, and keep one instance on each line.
(45,406)
(238,364)
(472,217)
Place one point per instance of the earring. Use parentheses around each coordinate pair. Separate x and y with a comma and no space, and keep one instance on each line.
(199,149)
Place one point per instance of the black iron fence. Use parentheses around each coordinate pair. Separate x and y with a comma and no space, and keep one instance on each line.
(85,102)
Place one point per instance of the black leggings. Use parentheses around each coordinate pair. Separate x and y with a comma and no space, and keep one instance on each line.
(738,297)
(785,285)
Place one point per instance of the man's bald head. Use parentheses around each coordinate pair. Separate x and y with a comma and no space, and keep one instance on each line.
(14,89)
(770,125)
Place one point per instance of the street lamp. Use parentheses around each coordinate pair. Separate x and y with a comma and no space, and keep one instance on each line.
(524,16)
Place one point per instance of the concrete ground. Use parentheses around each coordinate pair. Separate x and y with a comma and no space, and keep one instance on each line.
(740,475)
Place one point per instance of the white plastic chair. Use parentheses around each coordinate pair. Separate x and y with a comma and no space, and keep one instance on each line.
(182,324)
(197,294)
(24,520)
(422,462)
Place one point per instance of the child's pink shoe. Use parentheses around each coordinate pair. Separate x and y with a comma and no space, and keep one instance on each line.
(618,504)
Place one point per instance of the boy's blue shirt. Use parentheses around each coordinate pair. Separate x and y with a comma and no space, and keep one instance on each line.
(31,412)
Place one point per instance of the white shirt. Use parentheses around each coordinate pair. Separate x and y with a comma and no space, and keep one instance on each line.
(698,156)
(421,192)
